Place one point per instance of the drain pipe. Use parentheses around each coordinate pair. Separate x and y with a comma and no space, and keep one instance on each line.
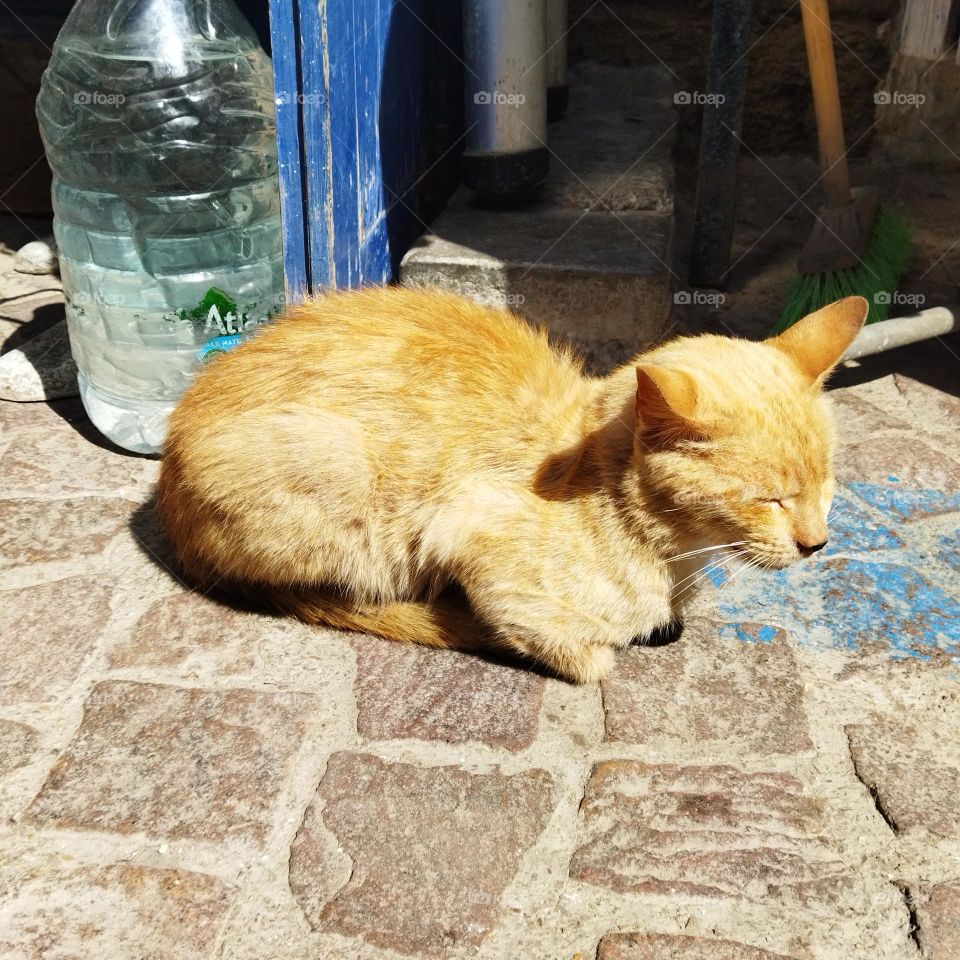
(505,83)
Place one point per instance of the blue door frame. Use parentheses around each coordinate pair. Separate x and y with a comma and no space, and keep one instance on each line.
(368,100)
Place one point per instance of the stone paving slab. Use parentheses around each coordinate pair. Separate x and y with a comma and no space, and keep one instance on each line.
(17,744)
(913,779)
(694,693)
(654,946)
(119,912)
(32,533)
(430,850)
(46,632)
(444,695)
(61,463)
(704,831)
(174,763)
(938,917)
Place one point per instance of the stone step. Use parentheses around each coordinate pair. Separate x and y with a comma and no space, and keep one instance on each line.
(590,256)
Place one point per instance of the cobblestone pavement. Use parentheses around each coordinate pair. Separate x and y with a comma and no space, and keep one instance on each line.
(179,780)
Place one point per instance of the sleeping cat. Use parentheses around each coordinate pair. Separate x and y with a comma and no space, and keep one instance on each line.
(370,449)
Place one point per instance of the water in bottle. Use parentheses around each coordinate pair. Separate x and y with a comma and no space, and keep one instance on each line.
(158,122)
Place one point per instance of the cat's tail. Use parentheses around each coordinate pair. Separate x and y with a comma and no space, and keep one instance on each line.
(439,624)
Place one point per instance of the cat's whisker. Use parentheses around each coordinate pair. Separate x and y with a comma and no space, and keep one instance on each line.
(698,574)
(751,562)
(716,563)
(694,553)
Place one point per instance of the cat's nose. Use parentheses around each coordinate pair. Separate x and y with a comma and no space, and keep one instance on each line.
(809,549)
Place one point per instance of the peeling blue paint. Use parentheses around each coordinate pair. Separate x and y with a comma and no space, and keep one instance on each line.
(853,596)
(717,575)
(906,501)
(853,530)
(949,552)
(751,634)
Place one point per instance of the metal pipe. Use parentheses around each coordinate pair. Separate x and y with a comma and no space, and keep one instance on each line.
(504,47)
(901,331)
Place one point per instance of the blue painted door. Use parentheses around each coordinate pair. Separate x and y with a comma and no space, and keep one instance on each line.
(367,95)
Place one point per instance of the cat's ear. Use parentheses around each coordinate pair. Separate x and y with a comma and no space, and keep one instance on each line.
(666,400)
(819,340)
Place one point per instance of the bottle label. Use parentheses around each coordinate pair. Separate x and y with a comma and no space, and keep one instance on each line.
(219,318)
(217,345)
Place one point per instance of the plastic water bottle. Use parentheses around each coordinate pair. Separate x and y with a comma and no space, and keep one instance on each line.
(158,121)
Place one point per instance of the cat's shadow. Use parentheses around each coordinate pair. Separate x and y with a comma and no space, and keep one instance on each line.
(145,528)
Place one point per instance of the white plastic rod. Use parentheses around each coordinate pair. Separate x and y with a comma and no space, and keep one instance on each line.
(900,331)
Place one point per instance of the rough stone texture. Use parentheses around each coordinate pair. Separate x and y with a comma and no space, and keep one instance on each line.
(624,163)
(555,267)
(939,918)
(442,695)
(911,784)
(702,831)
(746,698)
(902,475)
(36,531)
(857,418)
(175,763)
(658,946)
(182,629)
(38,257)
(46,632)
(54,415)
(432,850)
(927,400)
(59,464)
(119,912)
(17,744)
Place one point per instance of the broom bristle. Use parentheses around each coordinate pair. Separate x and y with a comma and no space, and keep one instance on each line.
(884,261)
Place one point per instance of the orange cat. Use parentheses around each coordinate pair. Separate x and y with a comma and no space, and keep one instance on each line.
(371,448)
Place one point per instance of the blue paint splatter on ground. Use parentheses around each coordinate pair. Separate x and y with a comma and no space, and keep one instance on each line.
(750,633)
(949,552)
(907,502)
(852,530)
(717,575)
(845,600)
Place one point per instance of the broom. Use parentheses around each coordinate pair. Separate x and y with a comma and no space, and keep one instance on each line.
(856,247)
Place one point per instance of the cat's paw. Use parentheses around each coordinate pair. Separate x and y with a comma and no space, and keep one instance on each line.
(661,636)
(591,664)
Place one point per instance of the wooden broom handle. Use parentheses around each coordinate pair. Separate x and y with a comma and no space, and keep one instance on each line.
(826,101)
